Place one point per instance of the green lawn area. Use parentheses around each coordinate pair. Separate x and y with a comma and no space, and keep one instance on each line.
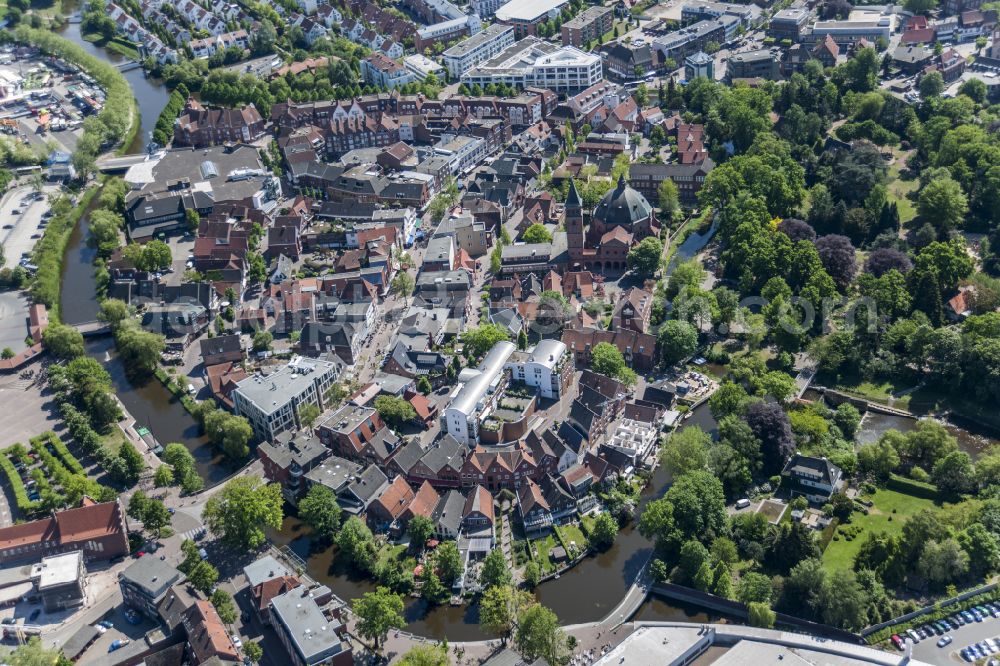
(572,533)
(117,45)
(881,518)
(898,189)
(542,548)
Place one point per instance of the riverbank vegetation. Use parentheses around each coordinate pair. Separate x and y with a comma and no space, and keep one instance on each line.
(117,122)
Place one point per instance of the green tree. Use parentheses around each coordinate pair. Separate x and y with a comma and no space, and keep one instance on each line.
(113,312)
(240,513)
(448,562)
(402,284)
(604,532)
(163,477)
(33,653)
(140,350)
(319,510)
(308,413)
(537,233)
(420,529)
(426,655)
(729,399)
(686,450)
(677,340)
(942,202)
(645,257)
(253,651)
(753,587)
(64,342)
(605,359)
(761,615)
(843,601)
(203,577)
(931,85)
(395,411)
(262,341)
(495,572)
(377,612)
(433,591)
(357,545)
(668,198)
(532,574)
(499,608)
(424,385)
(481,339)
(155,516)
(538,635)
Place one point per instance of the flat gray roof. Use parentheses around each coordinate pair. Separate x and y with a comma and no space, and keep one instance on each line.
(310,631)
(263,570)
(269,392)
(477,40)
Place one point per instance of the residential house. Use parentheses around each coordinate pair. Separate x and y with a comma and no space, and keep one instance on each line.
(815,478)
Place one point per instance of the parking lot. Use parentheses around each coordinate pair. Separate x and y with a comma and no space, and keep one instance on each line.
(973,632)
(21,210)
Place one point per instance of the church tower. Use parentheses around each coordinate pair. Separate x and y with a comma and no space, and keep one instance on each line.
(574,224)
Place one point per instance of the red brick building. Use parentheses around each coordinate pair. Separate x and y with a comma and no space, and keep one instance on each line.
(99,530)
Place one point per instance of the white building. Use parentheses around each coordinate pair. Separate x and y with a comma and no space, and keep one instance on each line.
(634,438)
(463,152)
(478,394)
(470,25)
(271,402)
(850,32)
(421,66)
(543,367)
(534,62)
(476,49)
(486,8)
(378,70)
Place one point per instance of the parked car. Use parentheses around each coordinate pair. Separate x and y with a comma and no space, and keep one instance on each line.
(100,629)
(120,643)
(236,641)
(34,614)
(944,640)
(897,641)
(742,503)
(107,624)
(8,620)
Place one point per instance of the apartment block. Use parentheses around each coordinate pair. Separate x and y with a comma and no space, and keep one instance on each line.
(476,49)
(587,26)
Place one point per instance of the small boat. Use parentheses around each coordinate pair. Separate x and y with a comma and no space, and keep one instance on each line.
(687,415)
(147,437)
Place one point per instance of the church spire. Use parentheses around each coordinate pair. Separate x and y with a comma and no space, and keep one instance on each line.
(573,198)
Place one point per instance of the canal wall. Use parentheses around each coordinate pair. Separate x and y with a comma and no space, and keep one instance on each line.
(837,397)
(741,611)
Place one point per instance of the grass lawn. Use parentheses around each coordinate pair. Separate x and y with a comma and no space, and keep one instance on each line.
(899,189)
(572,533)
(840,553)
(117,45)
(874,391)
(542,548)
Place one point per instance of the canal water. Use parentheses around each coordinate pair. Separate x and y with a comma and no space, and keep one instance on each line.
(585,593)
(149,402)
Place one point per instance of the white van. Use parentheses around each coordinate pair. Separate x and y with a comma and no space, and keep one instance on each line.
(742,503)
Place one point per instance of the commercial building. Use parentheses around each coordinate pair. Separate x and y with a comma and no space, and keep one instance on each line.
(696,37)
(166,187)
(788,24)
(465,55)
(534,62)
(847,33)
(546,367)
(757,64)
(749,15)
(447,31)
(271,402)
(479,392)
(469,234)
(307,634)
(420,66)
(99,530)
(587,26)
(699,64)
(525,15)
(486,8)
(145,584)
(60,580)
